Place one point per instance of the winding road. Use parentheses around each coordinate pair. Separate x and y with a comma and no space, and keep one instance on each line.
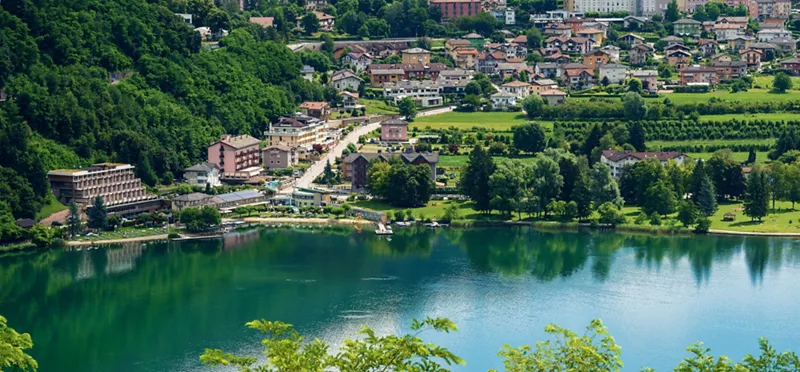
(316,169)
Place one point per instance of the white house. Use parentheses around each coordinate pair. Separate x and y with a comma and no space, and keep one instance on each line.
(615,72)
(425,93)
(618,159)
(612,51)
(358,60)
(202,174)
(503,100)
(766,36)
(345,80)
(518,88)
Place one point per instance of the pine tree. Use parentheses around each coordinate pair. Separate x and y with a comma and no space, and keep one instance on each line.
(475,179)
(756,199)
(97,215)
(706,196)
(73,220)
(581,192)
(637,137)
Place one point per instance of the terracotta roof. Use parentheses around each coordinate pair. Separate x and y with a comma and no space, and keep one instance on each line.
(314,105)
(615,156)
(704,42)
(468,50)
(576,72)
(263,21)
(239,142)
(515,60)
(350,94)
(571,66)
(521,39)
(495,55)
(516,84)
(322,16)
(552,92)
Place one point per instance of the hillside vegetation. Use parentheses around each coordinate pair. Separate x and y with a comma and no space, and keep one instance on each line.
(63,110)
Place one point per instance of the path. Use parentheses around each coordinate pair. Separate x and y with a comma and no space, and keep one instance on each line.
(83,243)
(316,169)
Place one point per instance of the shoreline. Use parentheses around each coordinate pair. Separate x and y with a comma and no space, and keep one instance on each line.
(543,225)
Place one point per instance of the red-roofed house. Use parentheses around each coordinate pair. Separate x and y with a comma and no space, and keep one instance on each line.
(319,110)
(263,21)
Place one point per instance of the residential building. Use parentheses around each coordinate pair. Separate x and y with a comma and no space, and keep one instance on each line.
(319,110)
(512,69)
(503,100)
(279,156)
(541,85)
(202,174)
(345,80)
(768,50)
(791,65)
(548,70)
(557,29)
(699,75)
(297,130)
(378,77)
(510,50)
(686,27)
(785,44)
(595,58)
(777,9)
(517,88)
(487,62)
(638,54)
(310,197)
(634,21)
(614,72)
(727,31)
(425,93)
(307,72)
(359,61)
(554,96)
(674,47)
(416,55)
(451,44)
(740,42)
(721,57)
(730,70)
(457,8)
(689,6)
(766,36)
(326,21)
(649,79)
(465,57)
(394,130)
(382,73)
(242,198)
(603,6)
(121,191)
(558,58)
(616,160)
(679,58)
(521,39)
(263,21)
(672,39)
(595,35)
(350,100)
(612,51)
(316,4)
(504,14)
(653,7)
(232,154)
(355,166)
(708,48)
(632,39)
(570,44)
(456,74)
(186,17)
(576,76)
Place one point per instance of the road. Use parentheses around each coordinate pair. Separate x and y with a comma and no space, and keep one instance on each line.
(316,169)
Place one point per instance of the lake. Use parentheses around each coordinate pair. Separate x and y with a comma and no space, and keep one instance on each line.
(155,307)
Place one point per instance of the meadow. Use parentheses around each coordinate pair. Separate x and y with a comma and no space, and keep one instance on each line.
(499,121)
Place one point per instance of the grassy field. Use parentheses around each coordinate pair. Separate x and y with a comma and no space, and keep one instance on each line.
(434,209)
(377,106)
(461,160)
(752,95)
(773,116)
(499,121)
(765,82)
(761,156)
(655,145)
(52,205)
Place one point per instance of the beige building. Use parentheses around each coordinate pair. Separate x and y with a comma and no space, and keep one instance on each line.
(299,130)
(416,55)
(279,156)
(121,191)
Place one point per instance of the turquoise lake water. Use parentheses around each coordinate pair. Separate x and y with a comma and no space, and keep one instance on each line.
(155,307)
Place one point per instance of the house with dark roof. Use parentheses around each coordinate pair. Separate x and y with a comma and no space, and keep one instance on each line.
(638,54)
(708,47)
(355,166)
(791,65)
(202,174)
(319,110)
(632,39)
(345,80)
(694,75)
(730,70)
(616,160)
(686,27)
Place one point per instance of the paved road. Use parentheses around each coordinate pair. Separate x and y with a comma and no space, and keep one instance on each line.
(317,168)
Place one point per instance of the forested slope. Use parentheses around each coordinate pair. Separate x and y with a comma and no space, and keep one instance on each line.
(56,58)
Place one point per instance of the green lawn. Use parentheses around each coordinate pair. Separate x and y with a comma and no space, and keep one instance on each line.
(434,209)
(783,220)
(752,95)
(761,156)
(52,205)
(377,106)
(774,116)
(461,160)
(499,121)
(765,81)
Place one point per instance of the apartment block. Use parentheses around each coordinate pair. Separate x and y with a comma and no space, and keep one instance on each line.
(232,154)
(121,191)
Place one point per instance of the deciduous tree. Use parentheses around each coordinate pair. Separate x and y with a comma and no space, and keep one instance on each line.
(474,180)
(756,199)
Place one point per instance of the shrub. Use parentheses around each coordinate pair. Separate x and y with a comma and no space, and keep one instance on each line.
(173,236)
(703,225)
(655,219)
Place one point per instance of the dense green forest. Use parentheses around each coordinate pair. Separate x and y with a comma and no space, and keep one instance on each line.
(64,110)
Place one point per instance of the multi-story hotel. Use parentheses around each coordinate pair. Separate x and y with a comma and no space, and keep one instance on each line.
(298,130)
(234,153)
(457,8)
(121,191)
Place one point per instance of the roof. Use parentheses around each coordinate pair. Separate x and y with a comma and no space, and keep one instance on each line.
(240,195)
(576,72)
(751,51)
(572,66)
(25,223)
(552,92)
(516,84)
(607,66)
(643,47)
(277,147)
(644,73)
(239,142)
(631,35)
(457,42)
(263,21)
(415,51)
(201,167)
(791,60)
(544,82)
(387,71)
(309,105)
(615,156)
(470,35)
(322,16)
(679,51)
(503,95)
(350,94)
(406,157)
(686,21)
(467,50)
(671,38)
(307,68)
(733,19)
(394,122)
(521,39)
(707,41)
(590,31)
(729,64)
(344,74)
(194,196)
(726,26)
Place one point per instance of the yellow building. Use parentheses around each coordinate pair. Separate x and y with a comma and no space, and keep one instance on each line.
(416,55)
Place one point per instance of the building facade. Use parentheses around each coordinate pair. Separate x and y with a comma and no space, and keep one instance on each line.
(616,160)
(202,174)
(234,153)
(279,157)
(121,191)
(355,166)
(394,130)
(457,8)
(298,130)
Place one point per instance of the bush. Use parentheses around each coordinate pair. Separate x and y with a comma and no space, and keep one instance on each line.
(173,236)
(655,219)
(640,219)
(703,225)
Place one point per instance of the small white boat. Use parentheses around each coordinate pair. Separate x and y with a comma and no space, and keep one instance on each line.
(382,230)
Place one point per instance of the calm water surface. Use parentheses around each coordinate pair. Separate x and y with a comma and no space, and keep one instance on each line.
(156,307)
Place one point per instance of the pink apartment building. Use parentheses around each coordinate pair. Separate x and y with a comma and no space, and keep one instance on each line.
(121,191)
(457,8)
(235,153)
(394,130)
